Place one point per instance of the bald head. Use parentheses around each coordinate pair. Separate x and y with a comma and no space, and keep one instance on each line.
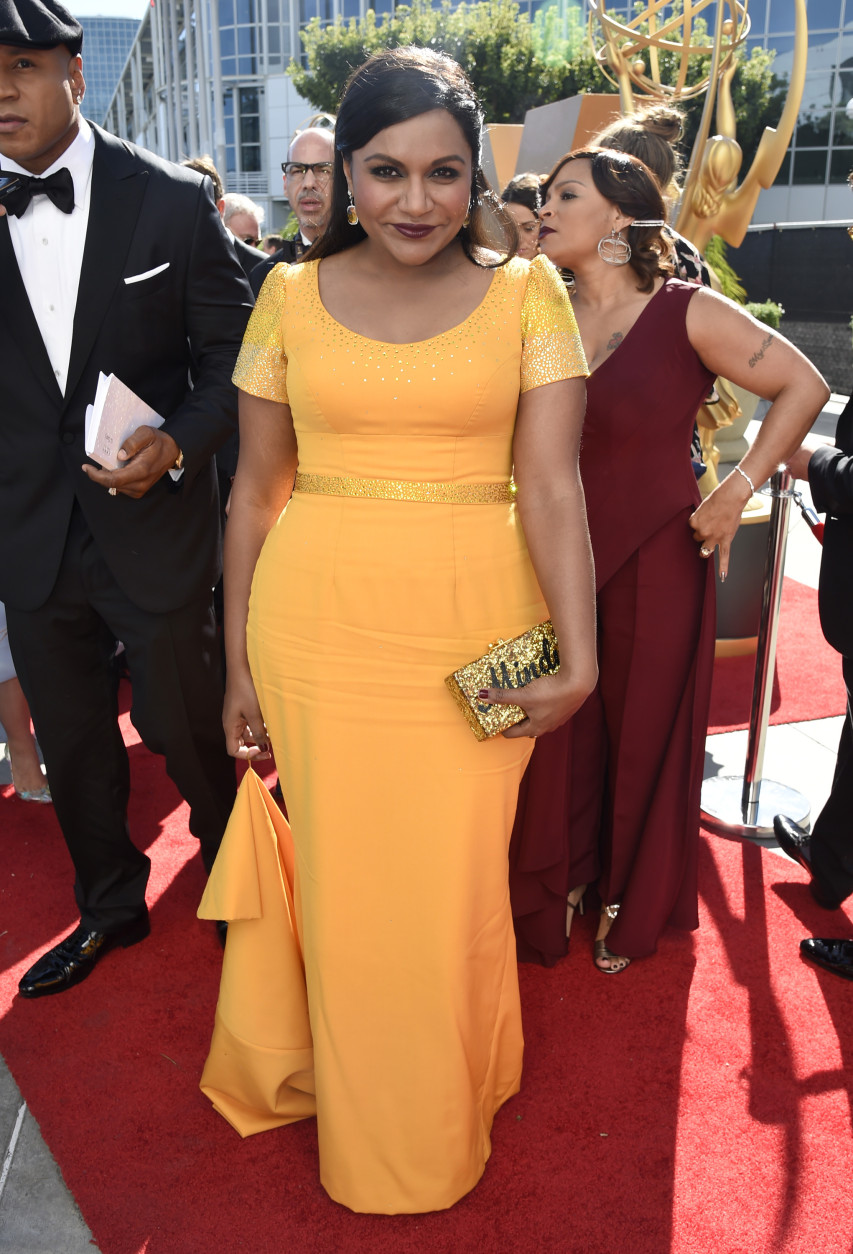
(310,190)
(315,144)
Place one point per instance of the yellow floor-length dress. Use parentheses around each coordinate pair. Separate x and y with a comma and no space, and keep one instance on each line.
(405,1034)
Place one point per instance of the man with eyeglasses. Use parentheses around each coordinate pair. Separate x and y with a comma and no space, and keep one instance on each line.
(308,186)
(243,218)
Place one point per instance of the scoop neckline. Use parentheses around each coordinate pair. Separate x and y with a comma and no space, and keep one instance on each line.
(402,343)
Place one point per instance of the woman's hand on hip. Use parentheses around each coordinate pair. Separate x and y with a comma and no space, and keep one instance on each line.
(245,730)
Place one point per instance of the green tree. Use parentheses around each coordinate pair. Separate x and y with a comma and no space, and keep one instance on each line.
(515,63)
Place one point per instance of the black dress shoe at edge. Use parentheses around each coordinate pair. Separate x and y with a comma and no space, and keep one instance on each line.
(74,958)
(833,955)
(794,841)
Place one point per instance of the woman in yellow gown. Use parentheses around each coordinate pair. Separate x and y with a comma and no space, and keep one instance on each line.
(402,369)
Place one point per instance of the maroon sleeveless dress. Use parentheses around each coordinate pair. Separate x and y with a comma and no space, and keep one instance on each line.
(613,795)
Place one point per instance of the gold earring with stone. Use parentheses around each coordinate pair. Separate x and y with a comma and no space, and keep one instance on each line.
(352,212)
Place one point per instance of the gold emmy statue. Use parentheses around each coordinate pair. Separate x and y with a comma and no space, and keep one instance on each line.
(711,202)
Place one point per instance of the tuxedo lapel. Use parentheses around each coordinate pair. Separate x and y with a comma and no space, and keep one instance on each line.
(118,186)
(21,325)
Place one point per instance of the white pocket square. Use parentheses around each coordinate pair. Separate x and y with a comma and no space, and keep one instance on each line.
(147,274)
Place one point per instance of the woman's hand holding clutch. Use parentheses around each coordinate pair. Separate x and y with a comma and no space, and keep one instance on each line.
(245,730)
(548,702)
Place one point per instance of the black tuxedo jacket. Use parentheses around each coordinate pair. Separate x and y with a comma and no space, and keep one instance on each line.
(248,257)
(831,482)
(162,302)
(291,250)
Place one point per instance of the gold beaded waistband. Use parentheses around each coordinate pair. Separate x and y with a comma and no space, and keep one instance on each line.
(406,490)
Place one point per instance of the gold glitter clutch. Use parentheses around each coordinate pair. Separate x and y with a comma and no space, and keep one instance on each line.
(507,664)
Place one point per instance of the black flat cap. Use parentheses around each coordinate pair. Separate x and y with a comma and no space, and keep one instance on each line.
(39,24)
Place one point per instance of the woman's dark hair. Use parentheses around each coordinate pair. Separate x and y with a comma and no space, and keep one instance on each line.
(630,185)
(650,134)
(524,189)
(391,87)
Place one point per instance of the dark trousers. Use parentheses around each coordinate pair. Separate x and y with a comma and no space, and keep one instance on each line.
(62,653)
(832,833)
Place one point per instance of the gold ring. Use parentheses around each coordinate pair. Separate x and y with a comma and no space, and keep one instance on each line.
(112,491)
(703,552)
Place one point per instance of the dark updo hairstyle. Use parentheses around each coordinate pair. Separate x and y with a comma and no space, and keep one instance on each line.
(650,134)
(524,189)
(391,87)
(630,185)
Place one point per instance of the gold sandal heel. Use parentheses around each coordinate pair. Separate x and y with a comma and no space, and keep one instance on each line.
(600,952)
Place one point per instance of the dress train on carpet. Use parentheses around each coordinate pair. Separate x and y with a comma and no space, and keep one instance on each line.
(260,1070)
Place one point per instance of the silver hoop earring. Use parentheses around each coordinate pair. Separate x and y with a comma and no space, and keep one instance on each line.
(614,250)
(352,212)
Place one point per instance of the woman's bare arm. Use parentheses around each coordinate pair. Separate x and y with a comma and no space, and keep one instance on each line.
(262,487)
(551,507)
(733,344)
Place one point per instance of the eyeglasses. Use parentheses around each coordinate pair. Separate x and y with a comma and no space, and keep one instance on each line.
(252,240)
(322,170)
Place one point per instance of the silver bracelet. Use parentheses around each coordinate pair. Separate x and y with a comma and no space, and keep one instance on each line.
(747,478)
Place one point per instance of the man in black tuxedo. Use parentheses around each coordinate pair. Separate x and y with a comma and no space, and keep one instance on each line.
(114,261)
(827,854)
(307,179)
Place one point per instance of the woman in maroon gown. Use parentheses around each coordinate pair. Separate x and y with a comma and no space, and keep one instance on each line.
(613,796)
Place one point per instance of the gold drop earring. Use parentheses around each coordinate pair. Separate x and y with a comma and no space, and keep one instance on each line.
(352,212)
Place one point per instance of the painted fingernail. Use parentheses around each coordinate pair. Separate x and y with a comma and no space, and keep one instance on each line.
(483,694)
(723,576)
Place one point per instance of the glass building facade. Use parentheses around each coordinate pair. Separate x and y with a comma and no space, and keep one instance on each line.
(822,148)
(106,44)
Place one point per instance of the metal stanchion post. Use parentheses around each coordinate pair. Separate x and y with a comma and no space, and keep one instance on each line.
(734,805)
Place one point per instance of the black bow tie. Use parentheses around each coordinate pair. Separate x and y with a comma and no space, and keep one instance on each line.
(59,187)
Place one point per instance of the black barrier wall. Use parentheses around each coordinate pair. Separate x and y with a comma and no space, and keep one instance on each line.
(809,271)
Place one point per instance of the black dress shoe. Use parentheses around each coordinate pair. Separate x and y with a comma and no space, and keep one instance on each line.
(833,955)
(794,841)
(74,958)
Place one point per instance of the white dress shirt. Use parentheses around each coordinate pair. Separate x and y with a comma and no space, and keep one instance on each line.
(49,247)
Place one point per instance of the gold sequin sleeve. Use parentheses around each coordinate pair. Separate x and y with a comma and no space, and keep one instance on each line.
(261,366)
(551,346)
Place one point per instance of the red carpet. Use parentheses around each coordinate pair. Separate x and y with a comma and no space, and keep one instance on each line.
(698,1104)
(808,681)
